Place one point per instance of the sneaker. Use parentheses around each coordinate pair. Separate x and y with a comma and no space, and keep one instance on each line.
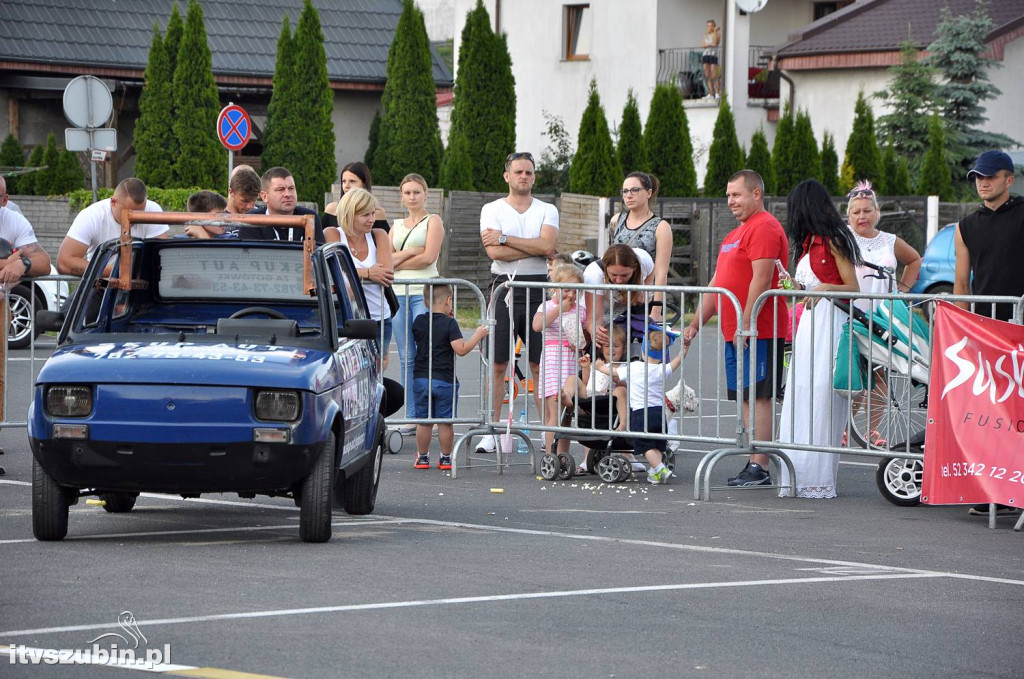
(659,477)
(752,475)
(486,445)
(445,462)
(422,462)
(1001,510)
(638,467)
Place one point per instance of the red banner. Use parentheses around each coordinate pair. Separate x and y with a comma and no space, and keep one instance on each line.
(974,443)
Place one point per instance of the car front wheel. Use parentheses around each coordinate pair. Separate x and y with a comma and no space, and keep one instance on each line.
(315,497)
(50,502)
(22,315)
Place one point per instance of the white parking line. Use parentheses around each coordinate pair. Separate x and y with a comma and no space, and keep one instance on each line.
(473,600)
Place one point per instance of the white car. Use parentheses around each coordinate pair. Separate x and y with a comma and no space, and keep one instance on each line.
(27,297)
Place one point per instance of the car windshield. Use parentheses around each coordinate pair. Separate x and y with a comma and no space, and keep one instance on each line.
(246,274)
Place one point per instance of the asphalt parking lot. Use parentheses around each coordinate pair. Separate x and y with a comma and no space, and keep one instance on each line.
(559,579)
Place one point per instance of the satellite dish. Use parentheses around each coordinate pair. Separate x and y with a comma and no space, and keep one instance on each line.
(750,6)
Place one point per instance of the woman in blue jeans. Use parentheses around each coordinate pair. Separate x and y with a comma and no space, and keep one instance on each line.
(415,242)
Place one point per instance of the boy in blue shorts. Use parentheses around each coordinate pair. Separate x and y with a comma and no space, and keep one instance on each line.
(435,389)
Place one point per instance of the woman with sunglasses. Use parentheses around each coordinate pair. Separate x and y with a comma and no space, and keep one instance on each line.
(637,226)
(878,247)
(812,412)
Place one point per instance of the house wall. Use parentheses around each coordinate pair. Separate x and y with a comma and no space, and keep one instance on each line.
(352,115)
(1004,113)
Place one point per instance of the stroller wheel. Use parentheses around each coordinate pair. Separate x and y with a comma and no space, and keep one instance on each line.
(567,466)
(549,467)
(625,468)
(609,468)
(899,481)
(594,456)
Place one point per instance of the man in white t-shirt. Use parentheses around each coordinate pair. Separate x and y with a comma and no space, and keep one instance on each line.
(101,222)
(29,258)
(519,233)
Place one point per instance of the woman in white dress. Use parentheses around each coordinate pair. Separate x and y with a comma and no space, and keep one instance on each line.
(812,412)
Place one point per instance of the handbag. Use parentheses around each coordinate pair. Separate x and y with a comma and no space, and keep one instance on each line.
(849,371)
(392,299)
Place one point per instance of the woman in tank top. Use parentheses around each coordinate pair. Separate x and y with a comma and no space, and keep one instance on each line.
(637,226)
(353,176)
(415,245)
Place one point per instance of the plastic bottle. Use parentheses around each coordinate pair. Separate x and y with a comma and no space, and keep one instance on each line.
(785,281)
(521,446)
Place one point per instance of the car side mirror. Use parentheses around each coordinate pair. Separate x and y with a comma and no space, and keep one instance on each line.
(359,328)
(47,321)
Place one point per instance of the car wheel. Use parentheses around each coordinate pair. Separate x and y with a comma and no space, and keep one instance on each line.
(119,503)
(360,489)
(50,502)
(939,289)
(315,497)
(22,317)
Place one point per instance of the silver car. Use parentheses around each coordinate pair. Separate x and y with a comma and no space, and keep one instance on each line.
(27,297)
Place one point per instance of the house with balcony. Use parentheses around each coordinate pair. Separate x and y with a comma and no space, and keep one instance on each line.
(557,47)
(826,63)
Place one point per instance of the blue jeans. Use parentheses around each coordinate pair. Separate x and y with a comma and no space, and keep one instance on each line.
(401,325)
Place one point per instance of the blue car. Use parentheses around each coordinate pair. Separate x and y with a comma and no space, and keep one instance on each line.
(216,366)
(938,264)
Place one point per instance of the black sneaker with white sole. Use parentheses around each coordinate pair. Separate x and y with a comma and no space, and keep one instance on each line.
(752,475)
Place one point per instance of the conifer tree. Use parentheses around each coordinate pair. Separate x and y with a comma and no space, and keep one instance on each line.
(900,186)
(804,159)
(457,168)
(172,41)
(27,183)
(311,154)
(862,146)
(44,185)
(725,157)
(936,176)
(668,150)
(595,170)
(373,138)
(631,136)
(410,138)
(889,165)
(12,155)
(153,130)
(829,164)
(484,103)
(202,160)
(910,96)
(760,161)
(277,132)
(69,175)
(781,152)
(957,54)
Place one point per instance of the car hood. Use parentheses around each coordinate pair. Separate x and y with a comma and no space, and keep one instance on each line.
(188,363)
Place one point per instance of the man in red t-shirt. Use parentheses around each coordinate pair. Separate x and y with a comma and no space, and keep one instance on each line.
(746,267)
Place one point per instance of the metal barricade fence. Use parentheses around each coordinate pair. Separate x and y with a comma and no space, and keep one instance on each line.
(21,301)
(702,368)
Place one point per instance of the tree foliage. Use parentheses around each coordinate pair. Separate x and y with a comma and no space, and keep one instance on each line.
(484,100)
(373,138)
(668,151)
(785,180)
(910,97)
(410,138)
(957,54)
(27,183)
(12,155)
(201,160)
(44,179)
(457,168)
(154,133)
(896,173)
(595,171)
(172,43)
(278,138)
(862,147)
(936,175)
(631,136)
(829,164)
(760,161)
(311,155)
(804,159)
(725,157)
(553,168)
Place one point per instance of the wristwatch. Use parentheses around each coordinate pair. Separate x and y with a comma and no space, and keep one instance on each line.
(502,239)
(28,264)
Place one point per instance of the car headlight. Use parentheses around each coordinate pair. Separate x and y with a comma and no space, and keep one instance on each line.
(69,401)
(278,406)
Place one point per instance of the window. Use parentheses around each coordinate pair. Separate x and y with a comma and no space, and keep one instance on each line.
(577,32)
(823,9)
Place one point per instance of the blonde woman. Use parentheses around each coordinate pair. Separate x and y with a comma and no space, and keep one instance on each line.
(415,245)
(371,253)
(878,247)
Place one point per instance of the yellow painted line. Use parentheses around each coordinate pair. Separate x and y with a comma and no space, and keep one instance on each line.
(215,673)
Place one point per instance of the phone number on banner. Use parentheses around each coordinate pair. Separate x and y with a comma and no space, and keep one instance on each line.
(962,469)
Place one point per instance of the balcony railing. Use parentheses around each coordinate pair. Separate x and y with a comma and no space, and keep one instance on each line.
(683,65)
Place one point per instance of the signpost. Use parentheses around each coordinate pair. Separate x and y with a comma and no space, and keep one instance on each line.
(234,130)
(87,106)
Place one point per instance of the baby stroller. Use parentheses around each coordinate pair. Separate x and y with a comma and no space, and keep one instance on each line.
(888,379)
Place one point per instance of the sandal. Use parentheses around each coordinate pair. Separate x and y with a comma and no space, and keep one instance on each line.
(877,440)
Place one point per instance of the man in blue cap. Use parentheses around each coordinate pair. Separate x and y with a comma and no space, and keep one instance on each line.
(990,244)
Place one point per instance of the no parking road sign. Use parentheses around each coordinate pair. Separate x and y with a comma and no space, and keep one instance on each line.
(234,127)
